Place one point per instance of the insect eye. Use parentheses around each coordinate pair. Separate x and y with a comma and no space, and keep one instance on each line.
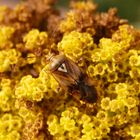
(62,68)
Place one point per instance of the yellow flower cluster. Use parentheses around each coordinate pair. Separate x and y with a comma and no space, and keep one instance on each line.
(79,18)
(8,58)
(125,35)
(33,122)
(69,24)
(77,45)
(6,34)
(120,71)
(134,131)
(30,88)
(32,104)
(35,39)
(35,88)
(107,49)
(78,125)
(6,95)
(10,126)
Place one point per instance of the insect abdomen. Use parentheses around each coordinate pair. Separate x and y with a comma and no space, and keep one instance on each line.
(88,93)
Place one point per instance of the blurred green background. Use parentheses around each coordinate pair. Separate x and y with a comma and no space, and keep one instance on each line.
(128,9)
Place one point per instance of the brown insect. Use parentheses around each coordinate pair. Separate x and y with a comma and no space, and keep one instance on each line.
(72,79)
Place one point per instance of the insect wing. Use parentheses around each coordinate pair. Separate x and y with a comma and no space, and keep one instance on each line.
(63,79)
(65,71)
(73,70)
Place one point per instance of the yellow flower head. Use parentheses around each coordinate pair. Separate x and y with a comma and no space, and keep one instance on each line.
(75,44)
(35,39)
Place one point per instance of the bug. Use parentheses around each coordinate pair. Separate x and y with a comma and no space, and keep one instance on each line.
(71,78)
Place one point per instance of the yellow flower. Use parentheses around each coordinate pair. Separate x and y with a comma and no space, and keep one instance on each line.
(134,72)
(99,69)
(122,90)
(96,55)
(98,133)
(84,119)
(91,71)
(130,102)
(54,128)
(52,119)
(14,135)
(105,103)
(67,123)
(134,60)
(104,128)
(135,130)
(102,115)
(87,127)
(133,111)
(112,77)
(117,105)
